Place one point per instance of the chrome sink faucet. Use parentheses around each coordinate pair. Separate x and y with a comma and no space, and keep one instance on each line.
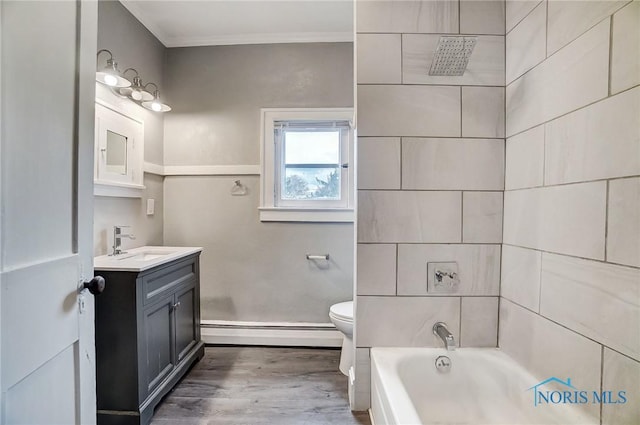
(117,239)
(440,329)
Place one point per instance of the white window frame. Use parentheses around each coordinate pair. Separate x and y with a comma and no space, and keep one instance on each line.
(270,161)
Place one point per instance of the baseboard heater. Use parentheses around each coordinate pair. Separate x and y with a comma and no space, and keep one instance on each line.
(270,333)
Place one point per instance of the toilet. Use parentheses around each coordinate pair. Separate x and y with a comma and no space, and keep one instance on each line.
(341,316)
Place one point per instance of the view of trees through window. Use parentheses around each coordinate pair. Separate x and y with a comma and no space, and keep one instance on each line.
(311,164)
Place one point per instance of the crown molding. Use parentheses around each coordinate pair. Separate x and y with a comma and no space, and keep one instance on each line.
(235,39)
(267,38)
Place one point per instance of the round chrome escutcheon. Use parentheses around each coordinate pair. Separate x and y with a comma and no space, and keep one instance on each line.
(443,364)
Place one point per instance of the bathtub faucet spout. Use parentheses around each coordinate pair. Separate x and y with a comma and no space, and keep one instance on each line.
(440,329)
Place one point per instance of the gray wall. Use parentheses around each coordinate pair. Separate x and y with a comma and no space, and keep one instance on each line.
(132,46)
(571,254)
(217,93)
(251,271)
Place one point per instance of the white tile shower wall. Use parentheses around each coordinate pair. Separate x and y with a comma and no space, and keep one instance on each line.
(623,237)
(570,284)
(478,267)
(482,17)
(520,277)
(400,110)
(479,322)
(379,58)
(407,16)
(600,141)
(485,68)
(625,66)
(431,173)
(525,45)
(450,164)
(482,216)
(547,349)
(409,216)
(621,373)
(377,269)
(517,10)
(609,296)
(379,162)
(570,19)
(524,163)
(405,321)
(570,79)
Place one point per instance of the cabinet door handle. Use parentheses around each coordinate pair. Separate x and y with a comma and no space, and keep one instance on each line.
(175,306)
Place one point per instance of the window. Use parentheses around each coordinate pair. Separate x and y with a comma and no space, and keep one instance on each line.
(306,174)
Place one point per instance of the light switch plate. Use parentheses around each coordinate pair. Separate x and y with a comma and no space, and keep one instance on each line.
(151,206)
(443,278)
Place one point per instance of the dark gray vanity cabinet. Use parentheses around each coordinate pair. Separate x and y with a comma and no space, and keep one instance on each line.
(147,337)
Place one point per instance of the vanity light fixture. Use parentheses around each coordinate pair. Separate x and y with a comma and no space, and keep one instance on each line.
(155,104)
(136,91)
(110,75)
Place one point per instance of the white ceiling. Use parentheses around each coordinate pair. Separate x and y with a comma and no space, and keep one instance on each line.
(216,22)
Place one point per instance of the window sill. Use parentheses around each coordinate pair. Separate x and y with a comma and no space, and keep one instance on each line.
(309,215)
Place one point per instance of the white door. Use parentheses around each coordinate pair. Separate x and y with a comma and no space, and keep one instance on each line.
(47,69)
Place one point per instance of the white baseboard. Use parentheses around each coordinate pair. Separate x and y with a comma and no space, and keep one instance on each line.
(270,333)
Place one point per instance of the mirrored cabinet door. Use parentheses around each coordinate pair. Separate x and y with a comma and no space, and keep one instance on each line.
(119,149)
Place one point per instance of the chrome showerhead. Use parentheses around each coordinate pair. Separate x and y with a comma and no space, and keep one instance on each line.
(452,55)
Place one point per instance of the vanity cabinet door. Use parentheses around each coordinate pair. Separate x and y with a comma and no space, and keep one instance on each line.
(158,342)
(186,320)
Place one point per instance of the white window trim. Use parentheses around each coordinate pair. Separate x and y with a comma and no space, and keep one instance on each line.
(269,211)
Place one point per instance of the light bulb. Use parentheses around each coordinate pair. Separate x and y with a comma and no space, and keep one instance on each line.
(110,80)
(136,95)
(156,106)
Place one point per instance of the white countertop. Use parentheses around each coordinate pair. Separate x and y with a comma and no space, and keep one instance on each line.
(142,258)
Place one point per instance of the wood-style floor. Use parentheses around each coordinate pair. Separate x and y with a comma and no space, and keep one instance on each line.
(261,385)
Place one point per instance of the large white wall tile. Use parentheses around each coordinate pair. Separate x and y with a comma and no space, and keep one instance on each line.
(376,269)
(597,142)
(520,277)
(604,300)
(408,111)
(404,321)
(569,19)
(479,322)
(620,373)
(623,221)
(516,10)
(452,164)
(526,45)
(362,390)
(486,64)
(525,159)
(625,60)
(568,80)
(415,16)
(408,216)
(564,219)
(483,112)
(379,58)
(482,17)
(478,267)
(378,163)
(547,349)
(482,217)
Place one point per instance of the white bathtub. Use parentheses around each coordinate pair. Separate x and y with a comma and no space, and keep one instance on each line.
(484,386)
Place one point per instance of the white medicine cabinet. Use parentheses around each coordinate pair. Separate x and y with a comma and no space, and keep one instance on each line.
(119,148)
